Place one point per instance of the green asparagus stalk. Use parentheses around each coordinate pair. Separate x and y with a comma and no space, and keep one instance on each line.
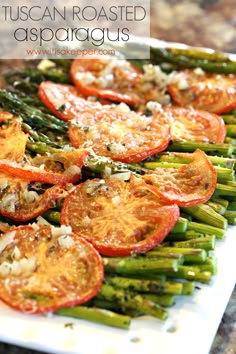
(168,255)
(221,201)
(231,183)
(40,148)
(230,215)
(190,255)
(206,229)
(162,300)
(138,266)
(213,149)
(113,306)
(225,190)
(192,273)
(96,315)
(231,130)
(183,236)
(206,243)
(223,174)
(146,286)
(197,53)
(130,300)
(188,288)
(210,265)
(180,226)
(39,137)
(232,141)
(36,76)
(52,216)
(207,215)
(30,115)
(186,61)
(229,118)
(217,207)
(232,205)
(169,157)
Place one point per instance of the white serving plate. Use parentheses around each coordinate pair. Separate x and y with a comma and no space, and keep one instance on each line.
(190,328)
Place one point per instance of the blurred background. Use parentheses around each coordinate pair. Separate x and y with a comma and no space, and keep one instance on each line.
(207,23)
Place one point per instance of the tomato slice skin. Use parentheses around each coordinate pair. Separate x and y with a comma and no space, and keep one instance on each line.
(193,125)
(27,211)
(35,173)
(209,92)
(58,284)
(65,101)
(117,218)
(9,134)
(4,116)
(126,137)
(191,184)
(125,78)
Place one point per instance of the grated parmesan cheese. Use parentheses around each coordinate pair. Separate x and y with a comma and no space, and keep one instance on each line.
(93,133)
(116,148)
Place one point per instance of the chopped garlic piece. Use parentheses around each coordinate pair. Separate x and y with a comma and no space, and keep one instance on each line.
(116,200)
(6,240)
(16,253)
(122,176)
(63,230)
(154,106)
(183,84)
(65,241)
(86,221)
(199,71)
(45,64)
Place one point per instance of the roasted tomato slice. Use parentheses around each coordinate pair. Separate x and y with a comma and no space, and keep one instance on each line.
(208,91)
(20,203)
(44,268)
(10,133)
(5,116)
(116,217)
(110,78)
(65,101)
(189,185)
(118,80)
(193,125)
(59,168)
(127,137)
